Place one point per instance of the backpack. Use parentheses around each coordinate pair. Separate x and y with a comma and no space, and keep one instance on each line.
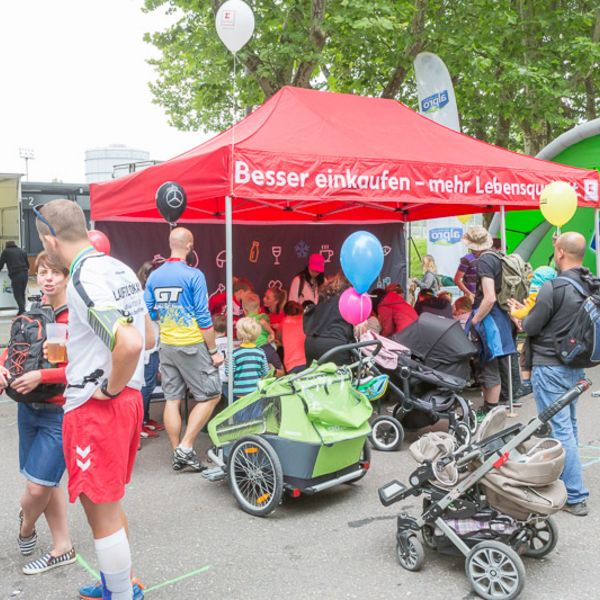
(516,274)
(580,349)
(26,352)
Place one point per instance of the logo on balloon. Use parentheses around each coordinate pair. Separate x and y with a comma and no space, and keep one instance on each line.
(174,197)
(235,24)
(171,201)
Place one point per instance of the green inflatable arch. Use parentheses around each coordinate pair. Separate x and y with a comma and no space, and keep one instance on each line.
(527,232)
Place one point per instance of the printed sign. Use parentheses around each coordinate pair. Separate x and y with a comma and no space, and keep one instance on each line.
(435,102)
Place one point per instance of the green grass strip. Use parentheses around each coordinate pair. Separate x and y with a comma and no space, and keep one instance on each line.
(178,579)
(87,567)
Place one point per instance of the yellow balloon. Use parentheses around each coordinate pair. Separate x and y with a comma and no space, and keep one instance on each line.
(464,219)
(558,203)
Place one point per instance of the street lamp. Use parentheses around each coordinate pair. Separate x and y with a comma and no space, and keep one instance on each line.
(27,154)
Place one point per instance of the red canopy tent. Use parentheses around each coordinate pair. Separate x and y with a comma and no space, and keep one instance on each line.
(317,157)
(322,157)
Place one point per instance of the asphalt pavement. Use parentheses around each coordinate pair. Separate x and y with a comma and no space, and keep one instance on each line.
(190,540)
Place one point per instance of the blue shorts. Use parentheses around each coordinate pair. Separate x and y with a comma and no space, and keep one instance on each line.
(41,457)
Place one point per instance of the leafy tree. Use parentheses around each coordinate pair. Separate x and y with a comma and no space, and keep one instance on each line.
(524,70)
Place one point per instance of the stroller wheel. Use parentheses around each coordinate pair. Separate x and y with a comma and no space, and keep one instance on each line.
(462,433)
(411,558)
(255,475)
(386,434)
(495,571)
(428,536)
(542,536)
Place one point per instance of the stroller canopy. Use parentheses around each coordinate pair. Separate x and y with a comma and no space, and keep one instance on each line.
(440,343)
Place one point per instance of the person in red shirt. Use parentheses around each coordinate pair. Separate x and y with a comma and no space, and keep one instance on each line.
(41,455)
(293,338)
(393,311)
(274,300)
(217,303)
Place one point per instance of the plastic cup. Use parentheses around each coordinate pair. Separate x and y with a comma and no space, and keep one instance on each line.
(56,338)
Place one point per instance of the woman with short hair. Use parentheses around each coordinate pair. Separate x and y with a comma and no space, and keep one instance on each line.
(41,455)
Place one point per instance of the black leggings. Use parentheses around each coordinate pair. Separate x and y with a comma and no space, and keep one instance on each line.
(19,285)
(316,346)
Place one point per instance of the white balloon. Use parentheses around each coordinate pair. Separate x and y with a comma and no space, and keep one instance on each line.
(235,24)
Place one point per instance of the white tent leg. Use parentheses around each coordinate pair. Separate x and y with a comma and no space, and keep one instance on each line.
(510,357)
(229,291)
(597,234)
(406,231)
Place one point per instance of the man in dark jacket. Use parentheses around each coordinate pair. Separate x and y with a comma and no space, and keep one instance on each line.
(547,325)
(17,264)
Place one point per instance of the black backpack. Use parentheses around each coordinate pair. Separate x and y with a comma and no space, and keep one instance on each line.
(580,349)
(26,352)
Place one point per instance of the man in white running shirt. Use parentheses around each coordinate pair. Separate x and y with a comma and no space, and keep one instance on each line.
(108,325)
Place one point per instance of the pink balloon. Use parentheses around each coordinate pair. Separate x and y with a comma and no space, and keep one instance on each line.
(355,308)
(99,240)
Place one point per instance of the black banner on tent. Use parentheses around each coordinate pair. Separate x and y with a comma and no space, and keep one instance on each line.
(267,255)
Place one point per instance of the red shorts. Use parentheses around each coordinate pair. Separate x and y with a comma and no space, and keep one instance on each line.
(100,441)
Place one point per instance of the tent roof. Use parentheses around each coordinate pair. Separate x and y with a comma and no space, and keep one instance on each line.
(316,156)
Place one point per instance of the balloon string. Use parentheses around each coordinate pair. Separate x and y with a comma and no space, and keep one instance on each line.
(233,117)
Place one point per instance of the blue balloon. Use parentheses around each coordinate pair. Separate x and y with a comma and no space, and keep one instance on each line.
(362,260)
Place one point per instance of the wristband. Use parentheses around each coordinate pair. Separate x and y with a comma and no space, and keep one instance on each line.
(104,390)
(213,351)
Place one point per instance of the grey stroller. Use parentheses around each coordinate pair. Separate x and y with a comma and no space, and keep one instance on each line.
(490,501)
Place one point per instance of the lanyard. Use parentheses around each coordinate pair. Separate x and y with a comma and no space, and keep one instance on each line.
(87,250)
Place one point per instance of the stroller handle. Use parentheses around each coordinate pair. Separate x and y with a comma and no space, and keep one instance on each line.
(565,400)
(349,348)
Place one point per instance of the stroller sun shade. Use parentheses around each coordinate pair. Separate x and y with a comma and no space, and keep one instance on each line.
(440,343)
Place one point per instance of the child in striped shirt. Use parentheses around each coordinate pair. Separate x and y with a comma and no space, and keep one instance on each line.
(248,363)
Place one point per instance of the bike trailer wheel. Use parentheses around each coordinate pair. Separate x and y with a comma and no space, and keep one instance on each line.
(255,475)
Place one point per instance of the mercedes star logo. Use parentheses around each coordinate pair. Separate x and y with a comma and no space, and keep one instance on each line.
(174,197)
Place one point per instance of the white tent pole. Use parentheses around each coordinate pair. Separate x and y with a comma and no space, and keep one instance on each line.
(229,291)
(406,231)
(510,358)
(597,234)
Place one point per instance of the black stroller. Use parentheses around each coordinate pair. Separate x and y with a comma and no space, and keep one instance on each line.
(490,501)
(423,395)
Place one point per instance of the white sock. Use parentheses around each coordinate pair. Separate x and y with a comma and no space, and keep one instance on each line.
(186,450)
(114,560)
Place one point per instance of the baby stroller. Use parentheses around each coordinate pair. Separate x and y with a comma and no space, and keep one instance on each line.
(491,501)
(424,395)
(439,343)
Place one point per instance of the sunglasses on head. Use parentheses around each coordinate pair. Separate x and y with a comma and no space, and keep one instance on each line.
(40,216)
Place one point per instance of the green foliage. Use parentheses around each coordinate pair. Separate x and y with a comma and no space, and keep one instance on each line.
(524,70)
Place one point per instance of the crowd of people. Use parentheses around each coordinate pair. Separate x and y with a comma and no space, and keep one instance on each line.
(128,332)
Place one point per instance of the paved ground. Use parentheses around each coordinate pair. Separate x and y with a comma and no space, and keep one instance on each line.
(191,541)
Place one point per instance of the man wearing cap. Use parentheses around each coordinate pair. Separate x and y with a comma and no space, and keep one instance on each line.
(492,325)
(305,285)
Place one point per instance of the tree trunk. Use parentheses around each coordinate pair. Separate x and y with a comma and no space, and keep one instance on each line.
(415,45)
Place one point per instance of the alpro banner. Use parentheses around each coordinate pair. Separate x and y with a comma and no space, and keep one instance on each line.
(435,90)
(444,243)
